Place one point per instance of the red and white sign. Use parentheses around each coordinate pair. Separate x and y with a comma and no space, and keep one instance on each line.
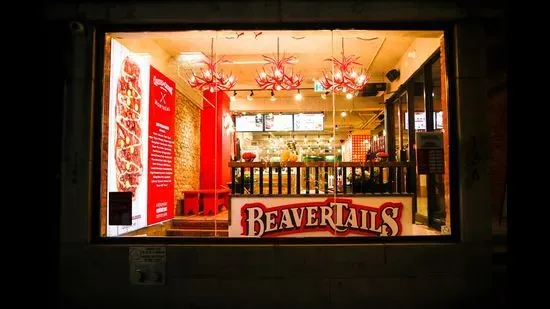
(320,216)
(141,139)
(162,98)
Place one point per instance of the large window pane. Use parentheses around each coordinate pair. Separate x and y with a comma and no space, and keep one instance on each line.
(263,133)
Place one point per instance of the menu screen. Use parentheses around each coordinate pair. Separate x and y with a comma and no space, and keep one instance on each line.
(278,122)
(420,120)
(309,122)
(249,123)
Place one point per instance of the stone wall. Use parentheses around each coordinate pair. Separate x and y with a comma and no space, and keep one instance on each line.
(382,275)
(497,100)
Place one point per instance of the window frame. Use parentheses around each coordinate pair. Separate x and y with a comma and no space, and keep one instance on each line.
(100,30)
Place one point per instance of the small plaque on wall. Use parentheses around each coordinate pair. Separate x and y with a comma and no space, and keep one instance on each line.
(120,208)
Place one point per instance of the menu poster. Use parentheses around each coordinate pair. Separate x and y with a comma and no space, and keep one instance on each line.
(429,153)
(309,122)
(127,139)
(278,122)
(249,123)
(160,206)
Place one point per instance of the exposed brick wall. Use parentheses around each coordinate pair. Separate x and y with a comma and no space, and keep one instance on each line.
(186,146)
(445,109)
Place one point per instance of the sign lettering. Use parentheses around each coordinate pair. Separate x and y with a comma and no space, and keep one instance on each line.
(338,216)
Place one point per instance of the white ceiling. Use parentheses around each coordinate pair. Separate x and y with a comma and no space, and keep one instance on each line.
(378,52)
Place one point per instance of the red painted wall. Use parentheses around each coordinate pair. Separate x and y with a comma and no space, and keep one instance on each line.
(215,144)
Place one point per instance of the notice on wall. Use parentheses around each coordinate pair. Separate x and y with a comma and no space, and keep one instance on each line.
(127,139)
(429,153)
(161,148)
(147,265)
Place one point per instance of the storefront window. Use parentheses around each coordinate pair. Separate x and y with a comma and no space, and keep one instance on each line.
(259,134)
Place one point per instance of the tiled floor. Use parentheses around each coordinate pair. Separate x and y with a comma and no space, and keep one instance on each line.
(422,230)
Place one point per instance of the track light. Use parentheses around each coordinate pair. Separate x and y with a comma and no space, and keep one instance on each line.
(233,98)
(250,97)
(273,98)
(298,96)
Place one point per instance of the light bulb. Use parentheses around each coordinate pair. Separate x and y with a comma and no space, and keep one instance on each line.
(349,96)
(298,96)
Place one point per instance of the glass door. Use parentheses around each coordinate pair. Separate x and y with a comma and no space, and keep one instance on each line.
(434,123)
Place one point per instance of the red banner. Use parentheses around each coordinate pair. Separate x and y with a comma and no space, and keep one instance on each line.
(162,98)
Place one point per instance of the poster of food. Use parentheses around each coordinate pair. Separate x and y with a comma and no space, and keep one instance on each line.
(161,148)
(128,131)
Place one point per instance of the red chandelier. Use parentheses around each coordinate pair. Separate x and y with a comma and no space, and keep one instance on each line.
(345,78)
(278,78)
(210,79)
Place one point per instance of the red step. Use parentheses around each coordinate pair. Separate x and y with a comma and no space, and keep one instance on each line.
(197,224)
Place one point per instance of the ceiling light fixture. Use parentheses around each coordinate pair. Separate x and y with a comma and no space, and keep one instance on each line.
(272,98)
(250,97)
(210,79)
(345,78)
(298,96)
(278,78)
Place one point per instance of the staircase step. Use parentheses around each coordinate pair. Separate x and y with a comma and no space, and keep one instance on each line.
(182,223)
(197,233)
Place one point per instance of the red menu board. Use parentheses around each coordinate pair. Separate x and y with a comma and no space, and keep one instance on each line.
(359,147)
(160,199)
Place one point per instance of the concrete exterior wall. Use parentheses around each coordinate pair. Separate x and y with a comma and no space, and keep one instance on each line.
(385,275)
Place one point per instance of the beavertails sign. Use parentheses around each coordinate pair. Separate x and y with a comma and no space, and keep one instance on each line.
(314,217)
